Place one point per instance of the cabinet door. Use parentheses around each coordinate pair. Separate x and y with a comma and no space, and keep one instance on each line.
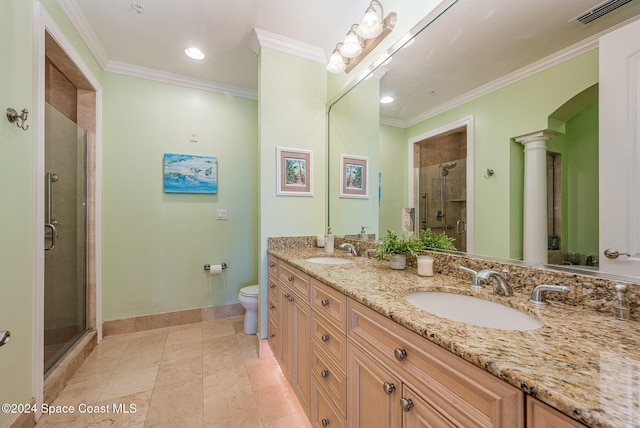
(301,342)
(287,322)
(417,413)
(539,415)
(373,394)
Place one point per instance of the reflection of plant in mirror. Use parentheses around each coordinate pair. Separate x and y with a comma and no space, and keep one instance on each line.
(392,244)
(436,240)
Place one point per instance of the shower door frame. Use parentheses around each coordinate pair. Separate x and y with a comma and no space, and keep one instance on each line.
(43,23)
(413,193)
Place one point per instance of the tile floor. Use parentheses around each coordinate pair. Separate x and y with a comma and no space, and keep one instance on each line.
(206,374)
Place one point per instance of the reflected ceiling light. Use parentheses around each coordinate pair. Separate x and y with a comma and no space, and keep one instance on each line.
(386,100)
(371,25)
(351,47)
(336,62)
(194,53)
(362,38)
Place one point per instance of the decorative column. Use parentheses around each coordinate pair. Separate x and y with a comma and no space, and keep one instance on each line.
(535,195)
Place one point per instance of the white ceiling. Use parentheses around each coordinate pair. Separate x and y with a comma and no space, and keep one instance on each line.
(472,44)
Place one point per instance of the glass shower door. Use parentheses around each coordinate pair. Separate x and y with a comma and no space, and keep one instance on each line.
(65,244)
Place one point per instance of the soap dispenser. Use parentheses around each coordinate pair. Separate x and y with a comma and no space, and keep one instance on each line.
(328,242)
(621,305)
(363,234)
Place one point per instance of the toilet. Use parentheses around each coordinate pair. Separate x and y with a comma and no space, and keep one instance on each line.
(248,298)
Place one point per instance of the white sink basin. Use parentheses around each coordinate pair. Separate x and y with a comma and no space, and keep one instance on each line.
(472,310)
(328,260)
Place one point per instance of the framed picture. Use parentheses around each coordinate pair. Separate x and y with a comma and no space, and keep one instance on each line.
(294,170)
(190,174)
(354,177)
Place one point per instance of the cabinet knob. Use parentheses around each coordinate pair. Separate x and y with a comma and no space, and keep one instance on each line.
(272,335)
(406,404)
(271,264)
(272,285)
(291,278)
(388,388)
(325,422)
(325,302)
(290,298)
(287,295)
(324,373)
(400,354)
(272,306)
(324,337)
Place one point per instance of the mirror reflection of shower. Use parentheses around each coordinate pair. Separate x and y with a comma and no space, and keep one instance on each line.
(440,163)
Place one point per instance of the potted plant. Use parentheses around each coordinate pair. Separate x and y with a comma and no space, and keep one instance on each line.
(438,241)
(396,247)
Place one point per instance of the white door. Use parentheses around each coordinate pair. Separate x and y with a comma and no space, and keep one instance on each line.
(620,150)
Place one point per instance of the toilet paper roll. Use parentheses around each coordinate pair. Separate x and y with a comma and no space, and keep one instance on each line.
(215,269)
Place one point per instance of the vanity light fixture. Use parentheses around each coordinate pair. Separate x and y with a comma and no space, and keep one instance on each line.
(194,53)
(361,38)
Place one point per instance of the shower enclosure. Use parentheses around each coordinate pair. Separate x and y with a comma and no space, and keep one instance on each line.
(65,244)
(442,201)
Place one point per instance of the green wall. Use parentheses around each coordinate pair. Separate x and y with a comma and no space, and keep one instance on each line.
(394,187)
(355,123)
(500,116)
(292,97)
(154,243)
(17,212)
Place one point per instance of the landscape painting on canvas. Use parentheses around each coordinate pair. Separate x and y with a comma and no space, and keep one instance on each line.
(190,174)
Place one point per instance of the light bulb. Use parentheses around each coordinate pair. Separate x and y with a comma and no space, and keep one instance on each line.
(370,27)
(336,63)
(351,46)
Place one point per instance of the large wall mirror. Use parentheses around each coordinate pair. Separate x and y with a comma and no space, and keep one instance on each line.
(448,152)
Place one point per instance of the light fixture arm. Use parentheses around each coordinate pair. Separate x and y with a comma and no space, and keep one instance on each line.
(18,119)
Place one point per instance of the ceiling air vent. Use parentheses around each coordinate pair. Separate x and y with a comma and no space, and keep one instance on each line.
(600,10)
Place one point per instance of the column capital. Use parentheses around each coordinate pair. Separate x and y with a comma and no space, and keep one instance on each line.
(537,137)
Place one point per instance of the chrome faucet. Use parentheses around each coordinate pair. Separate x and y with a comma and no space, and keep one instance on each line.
(368,252)
(351,250)
(539,293)
(501,281)
(475,282)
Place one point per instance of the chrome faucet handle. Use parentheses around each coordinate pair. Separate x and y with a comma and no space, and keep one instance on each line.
(475,282)
(539,293)
(351,250)
(368,252)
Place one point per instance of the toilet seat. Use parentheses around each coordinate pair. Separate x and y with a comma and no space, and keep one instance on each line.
(250,291)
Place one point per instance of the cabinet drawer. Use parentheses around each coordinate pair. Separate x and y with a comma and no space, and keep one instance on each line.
(272,287)
(329,302)
(462,392)
(331,340)
(329,378)
(272,266)
(323,412)
(300,283)
(272,338)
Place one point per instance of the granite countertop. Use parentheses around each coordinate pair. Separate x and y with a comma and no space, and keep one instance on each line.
(584,363)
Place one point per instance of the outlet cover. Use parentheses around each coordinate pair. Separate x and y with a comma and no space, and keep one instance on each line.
(222,214)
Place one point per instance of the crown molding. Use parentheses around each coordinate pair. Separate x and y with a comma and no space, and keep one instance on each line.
(80,23)
(176,79)
(266,39)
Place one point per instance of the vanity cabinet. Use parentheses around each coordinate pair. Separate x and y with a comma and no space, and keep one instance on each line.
(329,351)
(273,302)
(540,415)
(451,388)
(294,352)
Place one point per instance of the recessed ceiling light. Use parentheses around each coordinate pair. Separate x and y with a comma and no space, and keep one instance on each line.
(138,7)
(194,53)
(386,100)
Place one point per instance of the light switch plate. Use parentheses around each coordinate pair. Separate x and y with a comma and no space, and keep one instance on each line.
(193,136)
(222,214)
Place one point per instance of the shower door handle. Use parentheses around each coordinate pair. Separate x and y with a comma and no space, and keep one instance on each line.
(54,236)
(461,227)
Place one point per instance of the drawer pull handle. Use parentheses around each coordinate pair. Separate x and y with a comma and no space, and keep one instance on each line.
(325,337)
(324,373)
(291,278)
(406,403)
(272,306)
(388,388)
(272,285)
(325,422)
(290,298)
(400,354)
(325,302)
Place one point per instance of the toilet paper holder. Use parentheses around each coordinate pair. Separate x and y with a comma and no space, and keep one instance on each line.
(208,266)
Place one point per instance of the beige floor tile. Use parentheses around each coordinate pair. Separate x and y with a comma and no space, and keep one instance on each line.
(217,328)
(183,334)
(231,382)
(142,359)
(129,383)
(126,411)
(180,353)
(87,392)
(240,412)
(95,369)
(266,372)
(147,340)
(180,402)
(64,420)
(276,402)
(184,371)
